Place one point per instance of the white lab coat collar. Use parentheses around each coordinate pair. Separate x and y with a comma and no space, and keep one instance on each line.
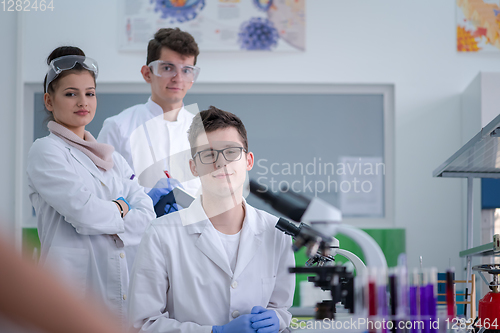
(195,218)
(83,159)
(156,110)
(196,221)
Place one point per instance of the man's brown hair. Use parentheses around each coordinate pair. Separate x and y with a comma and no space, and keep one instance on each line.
(211,120)
(175,39)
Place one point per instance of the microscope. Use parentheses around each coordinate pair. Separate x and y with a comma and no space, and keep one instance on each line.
(318,223)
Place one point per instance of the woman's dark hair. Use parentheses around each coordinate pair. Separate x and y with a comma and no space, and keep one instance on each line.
(211,120)
(57,53)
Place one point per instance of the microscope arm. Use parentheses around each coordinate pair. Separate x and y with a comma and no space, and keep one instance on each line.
(358,264)
(374,256)
(322,217)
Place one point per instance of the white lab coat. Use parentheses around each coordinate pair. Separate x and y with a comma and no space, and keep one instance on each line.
(151,144)
(182,280)
(76,218)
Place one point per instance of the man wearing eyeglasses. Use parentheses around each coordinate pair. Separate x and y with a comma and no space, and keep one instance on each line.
(219,265)
(152,137)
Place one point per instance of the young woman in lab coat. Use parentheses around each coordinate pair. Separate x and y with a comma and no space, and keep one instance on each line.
(219,265)
(91,212)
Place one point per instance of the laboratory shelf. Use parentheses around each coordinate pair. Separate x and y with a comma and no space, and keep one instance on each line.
(478,158)
(482,250)
(489,249)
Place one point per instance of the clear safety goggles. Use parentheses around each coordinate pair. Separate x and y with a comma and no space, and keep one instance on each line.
(68,62)
(169,70)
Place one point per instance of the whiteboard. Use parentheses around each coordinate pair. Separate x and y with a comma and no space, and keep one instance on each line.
(298,133)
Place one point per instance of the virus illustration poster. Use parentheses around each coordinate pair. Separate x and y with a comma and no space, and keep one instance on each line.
(478,25)
(217,25)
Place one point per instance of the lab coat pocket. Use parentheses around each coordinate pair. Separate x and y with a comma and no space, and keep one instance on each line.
(70,265)
(267,289)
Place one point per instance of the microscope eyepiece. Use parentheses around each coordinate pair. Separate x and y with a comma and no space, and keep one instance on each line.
(287,203)
(287,227)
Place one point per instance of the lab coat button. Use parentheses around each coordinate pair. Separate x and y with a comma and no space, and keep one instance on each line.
(124,297)
(234,285)
(235,314)
(122,255)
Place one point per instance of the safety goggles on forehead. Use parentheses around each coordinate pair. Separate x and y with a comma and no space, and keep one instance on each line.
(168,70)
(68,62)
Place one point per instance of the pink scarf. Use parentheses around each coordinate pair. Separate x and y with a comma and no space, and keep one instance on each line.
(99,153)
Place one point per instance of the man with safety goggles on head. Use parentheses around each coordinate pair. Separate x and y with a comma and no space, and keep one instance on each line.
(153,136)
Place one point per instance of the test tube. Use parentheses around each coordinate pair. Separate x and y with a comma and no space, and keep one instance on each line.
(413,301)
(402,280)
(450,293)
(382,296)
(394,291)
(360,286)
(372,298)
(424,302)
(402,311)
(432,298)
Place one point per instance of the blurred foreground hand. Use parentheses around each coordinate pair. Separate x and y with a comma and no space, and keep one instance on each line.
(33,299)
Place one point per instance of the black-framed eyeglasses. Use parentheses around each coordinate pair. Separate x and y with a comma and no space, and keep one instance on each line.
(210,156)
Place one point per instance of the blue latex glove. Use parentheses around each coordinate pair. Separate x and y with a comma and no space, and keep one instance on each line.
(264,320)
(163,187)
(123,199)
(238,325)
(172,208)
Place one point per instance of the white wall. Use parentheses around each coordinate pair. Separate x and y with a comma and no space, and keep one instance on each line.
(410,45)
(8,39)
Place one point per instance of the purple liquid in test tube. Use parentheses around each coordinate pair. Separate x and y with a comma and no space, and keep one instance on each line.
(424,314)
(382,303)
(415,280)
(382,297)
(413,307)
(431,298)
(431,306)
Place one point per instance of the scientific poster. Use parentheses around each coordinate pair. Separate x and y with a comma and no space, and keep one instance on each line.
(217,25)
(362,186)
(478,25)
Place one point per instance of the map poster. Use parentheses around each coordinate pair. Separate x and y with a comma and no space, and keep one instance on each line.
(478,25)
(217,25)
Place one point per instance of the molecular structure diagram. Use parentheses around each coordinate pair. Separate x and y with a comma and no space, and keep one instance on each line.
(179,10)
(258,34)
